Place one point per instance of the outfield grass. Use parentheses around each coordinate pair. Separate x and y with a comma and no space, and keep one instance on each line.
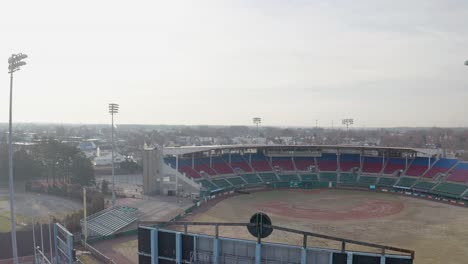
(5,221)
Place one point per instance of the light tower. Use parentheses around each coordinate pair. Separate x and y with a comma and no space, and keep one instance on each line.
(348,122)
(14,64)
(257,121)
(113,109)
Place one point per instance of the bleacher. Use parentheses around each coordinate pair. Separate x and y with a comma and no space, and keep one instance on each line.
(450,189)
(221,166)
(289,177)
(303,163)
(395,164)
(110,220)
(424,185)
(327,162)
(349,161)
(284,163)
(207,184)
(238,162)
(459,173)
(418,166)
(328,176)
(185,166)
(222,183)
(441,166)
(203,164)
(384,181)
(260,163)
(406,182)
(251,178)
(236,181)
(367,180)
(348,178)
(309,177)
(372,164)
(268,177)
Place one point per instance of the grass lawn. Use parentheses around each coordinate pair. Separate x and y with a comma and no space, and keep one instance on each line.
(5,225)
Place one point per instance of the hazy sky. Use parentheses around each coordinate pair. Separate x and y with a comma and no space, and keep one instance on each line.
(384,63)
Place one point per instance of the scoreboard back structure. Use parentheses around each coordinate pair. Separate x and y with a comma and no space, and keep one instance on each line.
(163,246)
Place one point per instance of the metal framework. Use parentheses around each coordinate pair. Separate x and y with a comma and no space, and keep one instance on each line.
(305,234)
(113,109)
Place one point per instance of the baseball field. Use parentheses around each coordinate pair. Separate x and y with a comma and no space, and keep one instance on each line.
(436,231)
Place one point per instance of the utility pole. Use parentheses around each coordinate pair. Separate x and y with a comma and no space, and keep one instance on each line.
(347,122)
(14,64)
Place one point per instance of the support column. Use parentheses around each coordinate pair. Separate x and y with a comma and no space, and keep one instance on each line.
(382,259)
(177,162)
(349,259)
(304,256)
(258,253)
(215,250)
(338,159)
(211,160)
(179,248)
(383,162)
(55,245)
(154,246)
(193,160)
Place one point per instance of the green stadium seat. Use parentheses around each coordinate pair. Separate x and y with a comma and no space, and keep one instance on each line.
(309,177)
(383,181)
(222,183)
(450,189)
(348,178)
(251,178)
(207,184)
(236,181)
(289,177)
(367,180)
(268,177)
(406,182)
(328,176)
(424,185)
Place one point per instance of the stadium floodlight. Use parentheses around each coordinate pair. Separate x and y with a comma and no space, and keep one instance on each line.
(113,109)
(348,122)
(257,121)
(15,62)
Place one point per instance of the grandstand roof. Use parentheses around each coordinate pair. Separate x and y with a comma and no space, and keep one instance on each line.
(196,149)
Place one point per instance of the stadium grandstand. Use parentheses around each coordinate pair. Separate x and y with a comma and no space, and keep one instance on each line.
(218,168)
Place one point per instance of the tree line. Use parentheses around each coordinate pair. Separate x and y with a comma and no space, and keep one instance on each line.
(49,160)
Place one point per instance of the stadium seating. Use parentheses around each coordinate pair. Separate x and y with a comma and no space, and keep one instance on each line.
(185,166)
(450,189)
(268,177)
(328,176)
(284,163)
(348,178)
(327,162)
(221,166)
(203,164)
(459,173)
(288,177)
(238,162)
(236,181)
(260,163)
(309,177)
(349,161)
(171,161)
(418,166)
(383,181)
(110,220)
(441,166)
(395,164)
(207,184)
(251,178)
(372,164)
(303,163)
(367,180)
(406,182)
(424,185)
(222,183)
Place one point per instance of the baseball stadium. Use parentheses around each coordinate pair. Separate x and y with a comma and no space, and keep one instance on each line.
(327,204)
